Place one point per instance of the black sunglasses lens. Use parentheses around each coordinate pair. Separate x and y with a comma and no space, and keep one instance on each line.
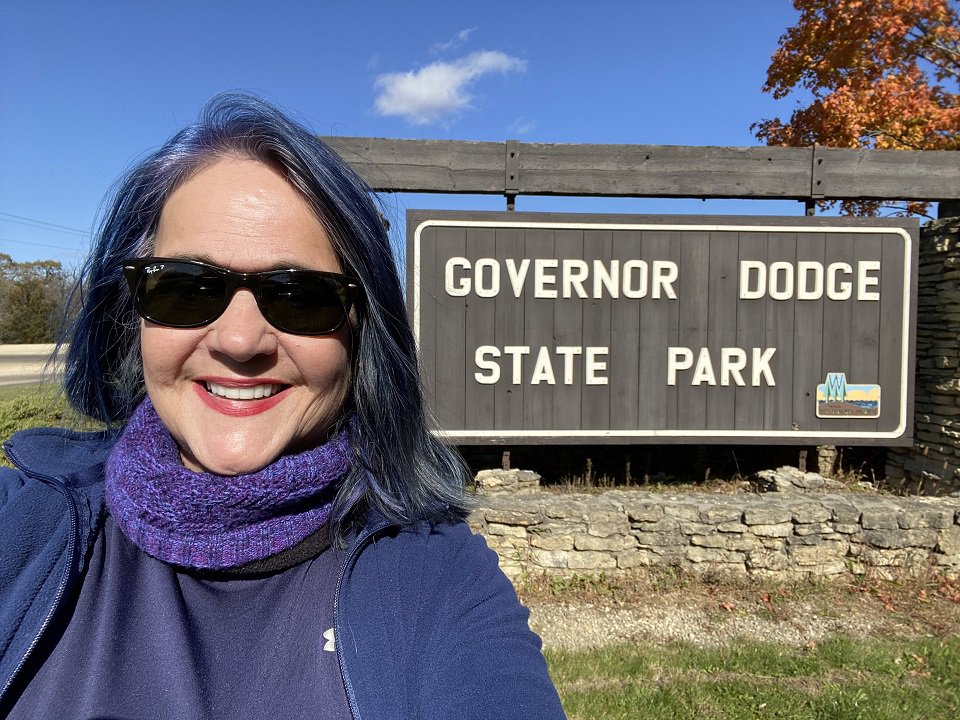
(180,294)
(187,294)
(302,302)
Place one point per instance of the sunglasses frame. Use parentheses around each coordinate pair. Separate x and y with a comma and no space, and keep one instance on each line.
(135,270)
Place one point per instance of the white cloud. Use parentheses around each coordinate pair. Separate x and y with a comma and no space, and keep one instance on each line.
(522,126)
(456,41)
(438,90)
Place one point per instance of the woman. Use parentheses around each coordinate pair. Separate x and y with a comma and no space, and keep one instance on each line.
(272,531)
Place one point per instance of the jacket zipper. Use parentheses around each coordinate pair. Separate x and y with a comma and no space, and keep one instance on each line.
(358,545)
(71,552)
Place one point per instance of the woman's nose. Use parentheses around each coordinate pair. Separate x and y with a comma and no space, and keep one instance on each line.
(241,332)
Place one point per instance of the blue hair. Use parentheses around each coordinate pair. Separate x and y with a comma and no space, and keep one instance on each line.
(400,468)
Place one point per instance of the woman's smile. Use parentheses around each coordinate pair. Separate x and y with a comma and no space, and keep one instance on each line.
(242,392)
(240,398)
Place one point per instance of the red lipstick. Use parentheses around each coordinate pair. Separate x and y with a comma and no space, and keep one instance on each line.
(239,408)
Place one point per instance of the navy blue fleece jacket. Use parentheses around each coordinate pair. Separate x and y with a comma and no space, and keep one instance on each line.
(426,624)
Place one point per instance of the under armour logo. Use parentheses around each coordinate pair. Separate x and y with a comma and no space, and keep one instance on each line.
(330,644)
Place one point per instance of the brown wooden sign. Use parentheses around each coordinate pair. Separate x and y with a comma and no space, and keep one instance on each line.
(633,329)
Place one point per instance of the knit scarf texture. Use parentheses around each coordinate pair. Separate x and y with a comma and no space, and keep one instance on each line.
(208,521)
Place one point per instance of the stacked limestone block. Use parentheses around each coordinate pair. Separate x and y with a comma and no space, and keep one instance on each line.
(783,537)
(506,482)
(932,465)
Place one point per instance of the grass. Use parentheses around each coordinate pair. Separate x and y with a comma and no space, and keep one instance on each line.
(26,406)
(903,664)
(842,678)
(9,392)
(861,479)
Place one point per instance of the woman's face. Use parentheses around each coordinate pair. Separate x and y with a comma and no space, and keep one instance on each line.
(242,215)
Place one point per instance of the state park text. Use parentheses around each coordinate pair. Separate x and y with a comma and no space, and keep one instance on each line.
(643,279)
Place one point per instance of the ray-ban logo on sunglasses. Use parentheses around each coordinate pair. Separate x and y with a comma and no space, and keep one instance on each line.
(152,269)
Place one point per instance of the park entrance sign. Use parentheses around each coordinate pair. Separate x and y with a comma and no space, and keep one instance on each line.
(547,328)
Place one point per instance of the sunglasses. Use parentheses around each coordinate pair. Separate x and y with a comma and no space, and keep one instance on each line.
(189,294)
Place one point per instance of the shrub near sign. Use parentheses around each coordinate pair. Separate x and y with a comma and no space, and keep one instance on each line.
(560,328)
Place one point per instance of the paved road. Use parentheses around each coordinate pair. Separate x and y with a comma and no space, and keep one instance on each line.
(20,364)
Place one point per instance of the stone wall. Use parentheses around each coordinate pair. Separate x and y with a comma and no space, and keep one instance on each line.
(784,536)
(932,465)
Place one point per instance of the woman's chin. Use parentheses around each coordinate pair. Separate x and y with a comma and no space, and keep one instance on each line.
(228,464)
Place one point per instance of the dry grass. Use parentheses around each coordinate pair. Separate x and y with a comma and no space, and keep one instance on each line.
(910,607)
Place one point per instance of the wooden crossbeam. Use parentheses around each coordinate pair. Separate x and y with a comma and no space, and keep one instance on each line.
(515,168)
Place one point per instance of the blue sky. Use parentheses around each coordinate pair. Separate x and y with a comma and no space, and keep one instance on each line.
(86,88)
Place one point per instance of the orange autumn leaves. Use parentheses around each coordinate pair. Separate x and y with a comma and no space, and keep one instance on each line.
(883,74)
(880,74)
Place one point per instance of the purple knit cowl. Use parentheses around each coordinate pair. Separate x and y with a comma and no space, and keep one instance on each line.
(207,521)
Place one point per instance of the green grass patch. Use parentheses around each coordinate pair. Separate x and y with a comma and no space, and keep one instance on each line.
(39,405)
(9,392)
(840,679)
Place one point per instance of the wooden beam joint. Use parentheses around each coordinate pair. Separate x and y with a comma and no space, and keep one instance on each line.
(511,172)
(816,173)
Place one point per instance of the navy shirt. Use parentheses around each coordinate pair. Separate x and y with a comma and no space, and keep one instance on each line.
(150,640)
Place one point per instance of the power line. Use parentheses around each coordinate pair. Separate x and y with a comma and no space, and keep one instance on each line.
(45,245)
(30,222)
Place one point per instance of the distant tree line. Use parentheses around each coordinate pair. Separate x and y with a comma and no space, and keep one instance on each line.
(33,300)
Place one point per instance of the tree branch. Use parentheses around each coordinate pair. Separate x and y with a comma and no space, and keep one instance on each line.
(895,138)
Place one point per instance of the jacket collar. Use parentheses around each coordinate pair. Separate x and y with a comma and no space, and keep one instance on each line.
(70,455)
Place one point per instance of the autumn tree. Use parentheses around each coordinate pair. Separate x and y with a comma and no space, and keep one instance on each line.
(880,74)
(32,300)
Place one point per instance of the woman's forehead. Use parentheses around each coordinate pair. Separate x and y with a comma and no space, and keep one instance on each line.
(240,211)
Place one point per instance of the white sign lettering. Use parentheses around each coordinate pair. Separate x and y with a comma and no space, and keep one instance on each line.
(553,278)
(486,358)
(808,279)
(732,361)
